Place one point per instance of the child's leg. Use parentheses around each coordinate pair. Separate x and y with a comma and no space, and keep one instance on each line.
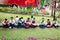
(11,25)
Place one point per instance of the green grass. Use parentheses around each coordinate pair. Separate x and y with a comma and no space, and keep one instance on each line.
(22,33)
(8,15)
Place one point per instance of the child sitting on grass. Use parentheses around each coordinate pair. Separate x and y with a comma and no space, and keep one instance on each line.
(20,23)
(16,21)
(12,22)
(5,23)
(33,23)
(27,23)
(22,20)
(48,24)
(42,23)
(32,17)
(55,23)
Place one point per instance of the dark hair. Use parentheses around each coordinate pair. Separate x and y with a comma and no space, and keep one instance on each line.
(45,5)
(16,16)
(21,17)
(11,17)
(48,19)
(5,19)
(31,16)
(28,18)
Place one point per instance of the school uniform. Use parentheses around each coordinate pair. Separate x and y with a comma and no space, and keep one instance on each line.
(55,24)
(16,21)
(48,24)
(33,24)
(5,24)
(12,23)
(20,23)
(42,24)
(27,23)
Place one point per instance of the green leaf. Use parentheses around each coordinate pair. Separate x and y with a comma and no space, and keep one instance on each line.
(47,1)
(42,2)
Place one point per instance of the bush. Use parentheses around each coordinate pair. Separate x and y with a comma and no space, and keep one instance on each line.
(22,10)
(44,13)
(58,14)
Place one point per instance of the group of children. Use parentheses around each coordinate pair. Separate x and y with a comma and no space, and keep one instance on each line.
(29,22)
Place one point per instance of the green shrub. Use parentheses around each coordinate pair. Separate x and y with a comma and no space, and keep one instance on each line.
(58,14)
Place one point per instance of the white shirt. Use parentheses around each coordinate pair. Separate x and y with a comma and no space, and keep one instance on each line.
(19,21)
(16,20)
(42,23)
(32,20)
(55,23)
(22,20)
(12,21)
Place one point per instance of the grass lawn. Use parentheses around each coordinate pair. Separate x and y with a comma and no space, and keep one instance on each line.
(8,15)
(22,33)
